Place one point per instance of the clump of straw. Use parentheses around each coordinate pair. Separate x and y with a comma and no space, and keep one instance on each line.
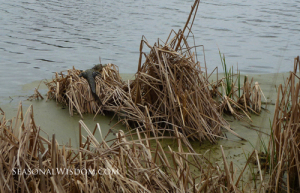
(171,86)
(73,91)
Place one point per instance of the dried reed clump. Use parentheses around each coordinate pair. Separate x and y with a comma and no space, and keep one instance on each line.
(169,91)
(240,106)
(32,163)
(284,145)
(231,99)
(171,85)
(251,97)
(73,91)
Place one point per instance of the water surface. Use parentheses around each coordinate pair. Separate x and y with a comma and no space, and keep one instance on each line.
(38,38)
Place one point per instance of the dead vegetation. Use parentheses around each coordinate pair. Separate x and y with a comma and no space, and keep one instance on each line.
(172,88)
(30,162)
(71,90)
(37,95)
(170,94)
(236,98)
(284,148)
(169,91)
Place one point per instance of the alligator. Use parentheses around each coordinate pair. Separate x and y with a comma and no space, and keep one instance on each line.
(90,75)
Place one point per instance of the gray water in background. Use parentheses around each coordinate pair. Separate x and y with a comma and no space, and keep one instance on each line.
(40,37)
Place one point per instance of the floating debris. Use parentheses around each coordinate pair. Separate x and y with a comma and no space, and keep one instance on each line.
(37,95)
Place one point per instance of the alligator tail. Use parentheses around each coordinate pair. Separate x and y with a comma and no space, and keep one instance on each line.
(96,97)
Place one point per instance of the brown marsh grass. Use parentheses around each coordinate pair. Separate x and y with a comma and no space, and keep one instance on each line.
(71,90)
(284,148)
(126,166)
(231,99)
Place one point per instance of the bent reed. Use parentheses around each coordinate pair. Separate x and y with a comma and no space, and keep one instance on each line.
(138,167)
(284,144)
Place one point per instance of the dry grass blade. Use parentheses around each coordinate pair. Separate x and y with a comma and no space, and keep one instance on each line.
(124,166)
(284,145)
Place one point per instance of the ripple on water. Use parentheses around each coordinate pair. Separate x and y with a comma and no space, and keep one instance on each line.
(55,34)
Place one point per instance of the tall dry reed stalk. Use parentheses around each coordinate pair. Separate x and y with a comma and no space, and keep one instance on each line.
(284,142)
